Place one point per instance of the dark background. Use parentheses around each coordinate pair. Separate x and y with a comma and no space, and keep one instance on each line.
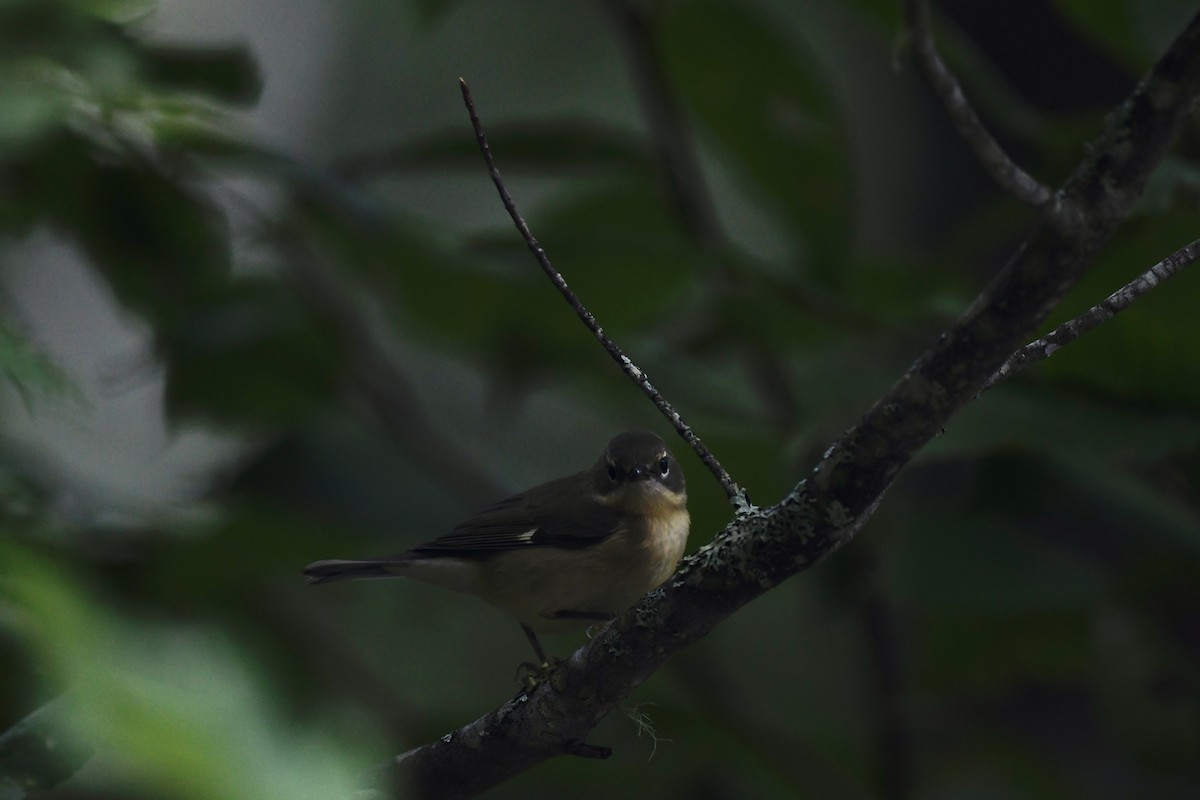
(260,305)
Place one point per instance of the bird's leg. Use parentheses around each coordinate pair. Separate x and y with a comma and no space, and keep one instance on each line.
(537,646)
(535,674)
(538,673)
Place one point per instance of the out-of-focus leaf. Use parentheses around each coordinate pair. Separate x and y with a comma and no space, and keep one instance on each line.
(32,109)
(963,651)
(1175,182)
(35,755)
(1128,502)
(1071,425)
(529,144)
(268,542)
(248,354)
(904,291)
(175,707)
(617,247)
(226,74)
(967,564)
(30,372)
(1158,22)
(431,12)
(884,12)
(623,253)
(1147,693)
(460,303)
(205,139)
(772,115)
(122,11)
(20,499)
(159,243)
(106,55)
(1109,24)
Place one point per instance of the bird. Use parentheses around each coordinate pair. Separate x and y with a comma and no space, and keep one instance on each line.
(564,555)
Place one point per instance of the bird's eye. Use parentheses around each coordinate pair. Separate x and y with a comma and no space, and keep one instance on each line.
(664,466)
(612,472)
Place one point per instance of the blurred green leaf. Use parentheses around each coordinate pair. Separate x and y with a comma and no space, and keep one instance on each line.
(160,243)
(226,74)
(1132,31)
(960,652)
(122,11)
(471,308)
(175,709)
(886,13)
(1176,182)
(1124,501)
(772,115)
(32,109)
(269,541)
(38,753)
(105,56)
(246,354)
(964,565)
(1108,24)
(30,372)
(431,12)
(527,144)
(1071,425)
(623,253)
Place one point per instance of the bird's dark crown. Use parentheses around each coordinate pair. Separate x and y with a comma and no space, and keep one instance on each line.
(638,457)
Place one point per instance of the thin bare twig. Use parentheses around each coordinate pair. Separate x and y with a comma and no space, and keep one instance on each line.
(735,493)
(1112,305)
(949,91)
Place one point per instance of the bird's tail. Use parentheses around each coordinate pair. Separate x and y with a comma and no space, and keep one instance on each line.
(341,570)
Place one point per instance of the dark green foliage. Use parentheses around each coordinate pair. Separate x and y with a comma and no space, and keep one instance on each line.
(1035,570)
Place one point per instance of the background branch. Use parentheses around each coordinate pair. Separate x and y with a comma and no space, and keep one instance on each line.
(1112,305)
(379,380)
(764,546)
(674,147)
(949,91)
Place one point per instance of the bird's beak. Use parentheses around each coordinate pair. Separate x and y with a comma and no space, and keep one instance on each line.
(638,473)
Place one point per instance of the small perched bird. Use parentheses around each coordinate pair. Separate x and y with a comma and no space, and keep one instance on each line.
(563,555)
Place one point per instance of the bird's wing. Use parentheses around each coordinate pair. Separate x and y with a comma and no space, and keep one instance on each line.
(535,518)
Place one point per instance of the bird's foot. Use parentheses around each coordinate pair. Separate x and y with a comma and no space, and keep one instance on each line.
(530,675)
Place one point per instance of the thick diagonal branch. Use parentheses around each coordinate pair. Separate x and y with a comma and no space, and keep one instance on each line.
(764,546)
